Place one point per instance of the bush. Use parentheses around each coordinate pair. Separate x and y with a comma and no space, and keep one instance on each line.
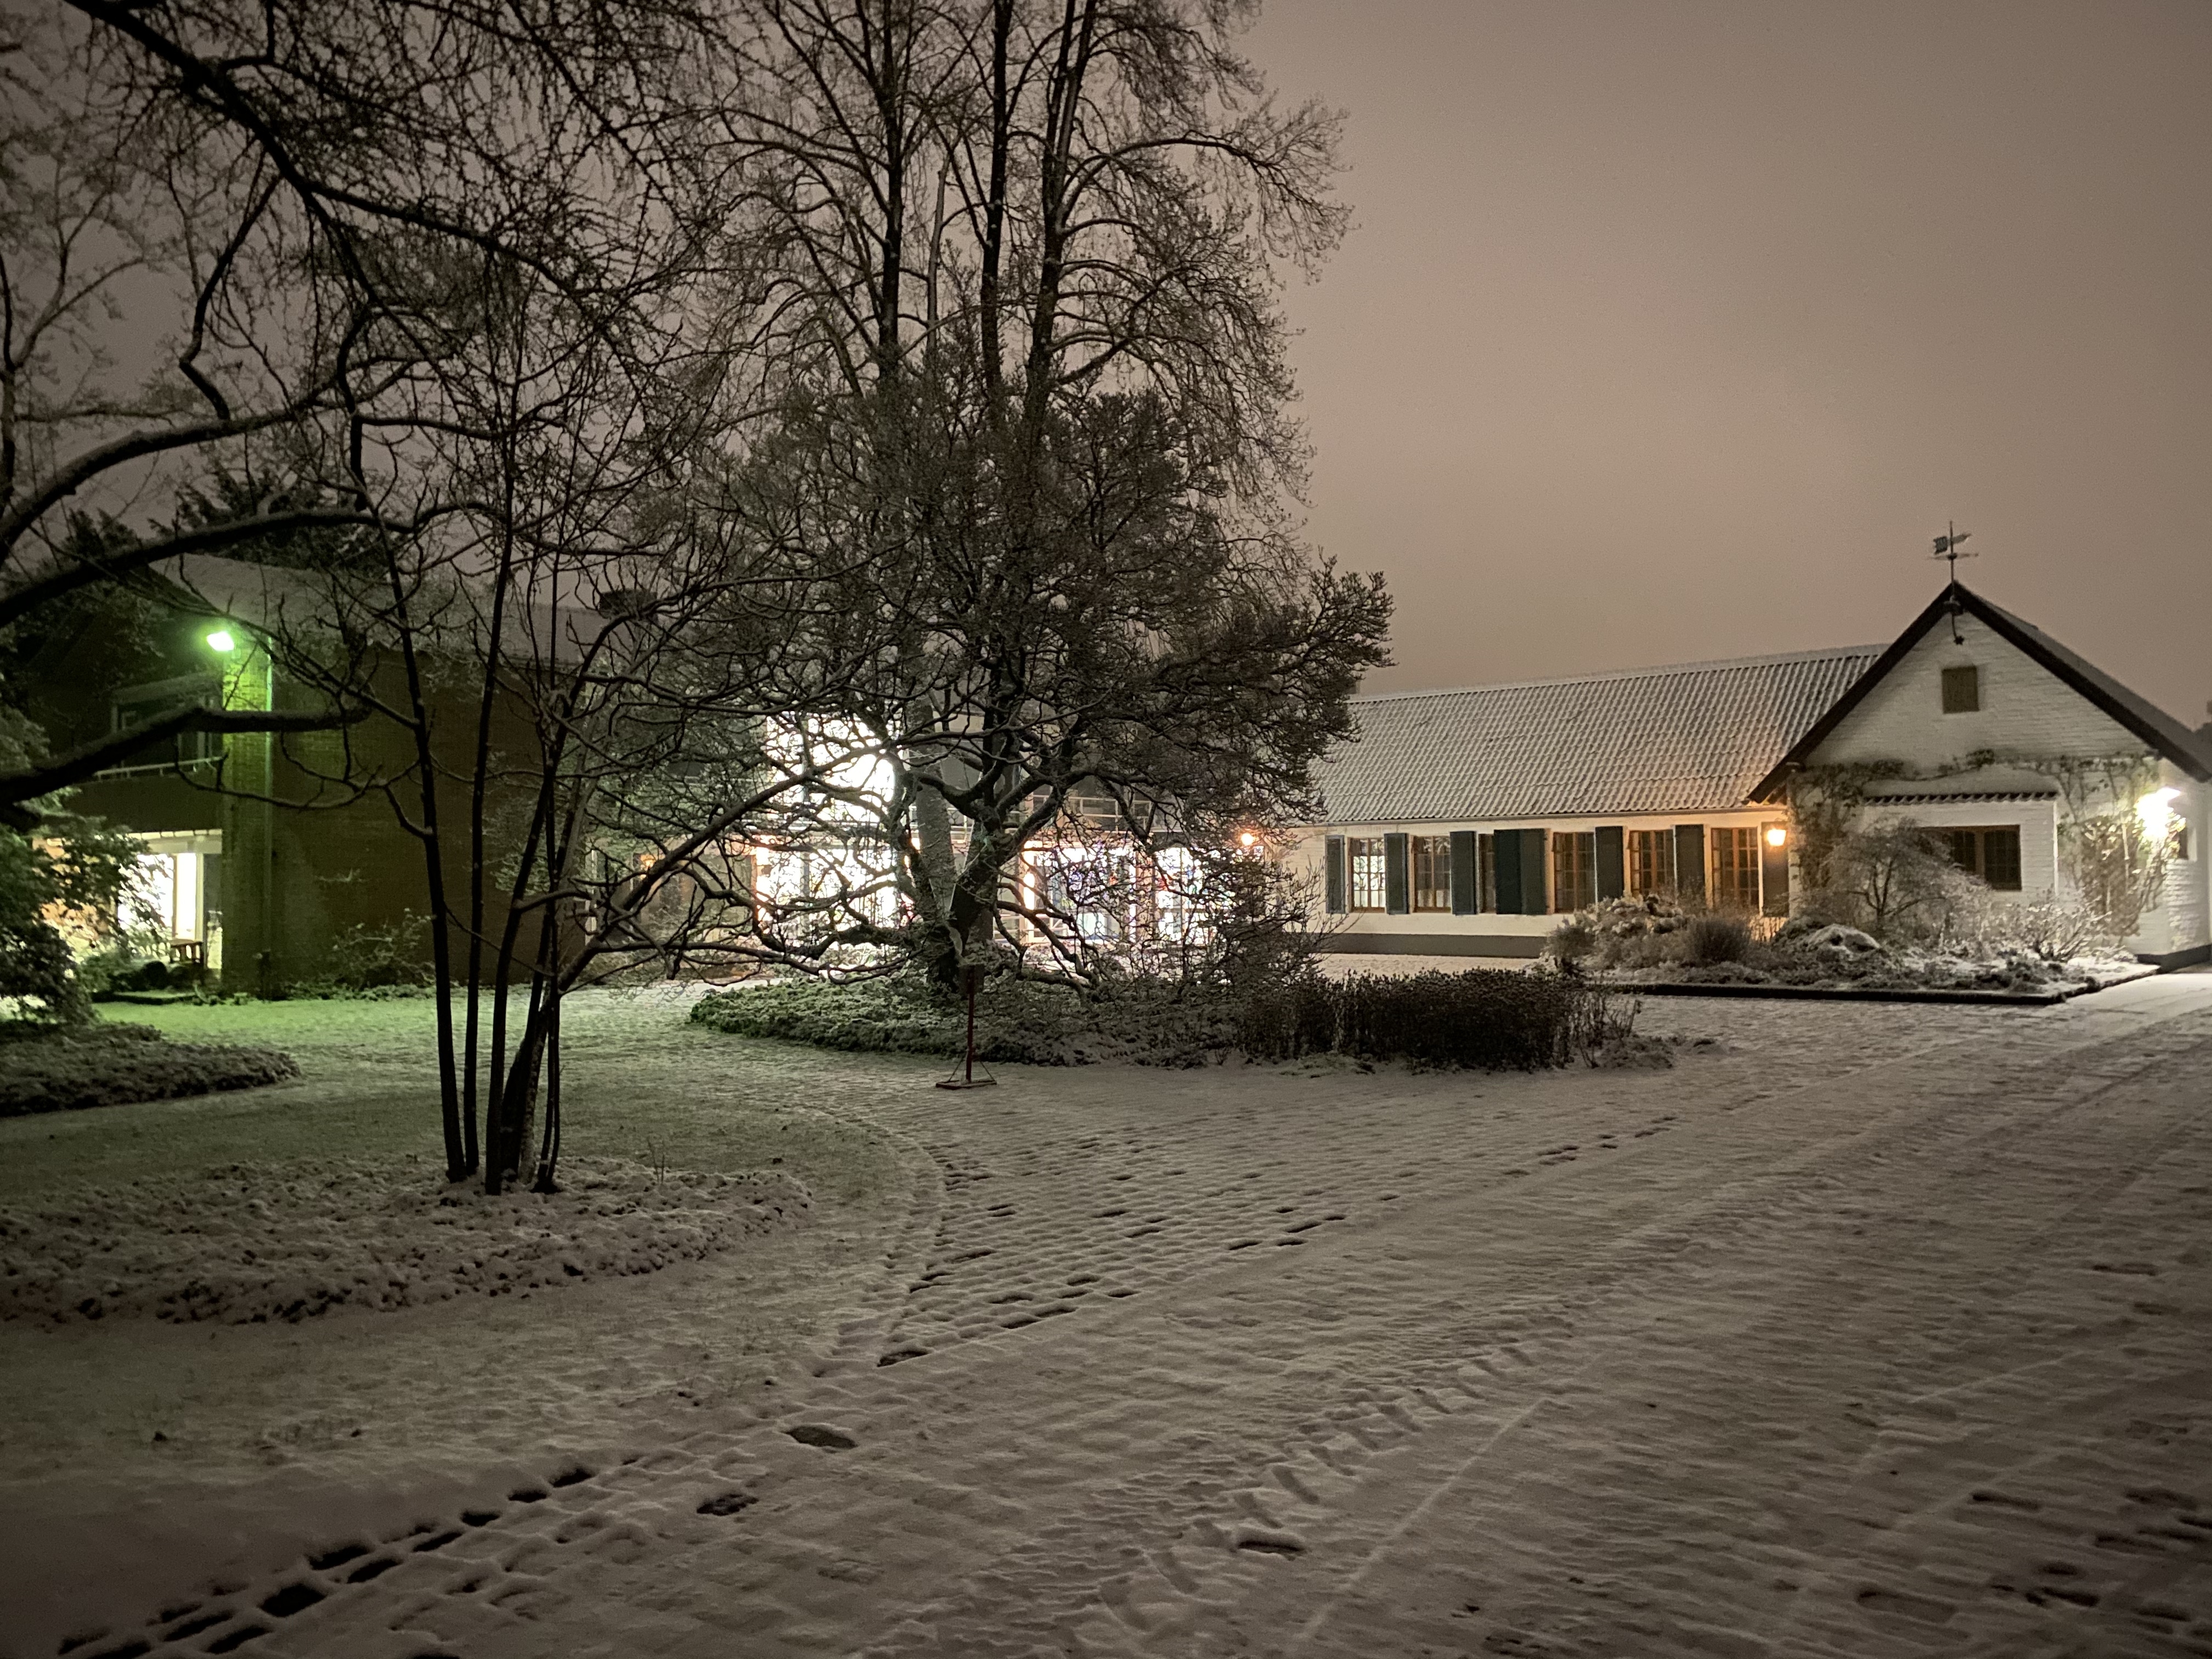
(1715,938)
(1148,1019)
(49,1068)
(1488,1018)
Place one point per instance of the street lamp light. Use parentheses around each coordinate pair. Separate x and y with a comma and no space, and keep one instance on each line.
(222,641)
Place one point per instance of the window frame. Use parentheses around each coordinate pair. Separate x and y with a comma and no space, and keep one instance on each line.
(1429,873)
(1661,842)
(1575,888)
(1978,865)
(1726,877)
(1365,872)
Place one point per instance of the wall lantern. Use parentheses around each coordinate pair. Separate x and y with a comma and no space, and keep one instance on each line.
(1246,839)
(1777,835)
(222,641)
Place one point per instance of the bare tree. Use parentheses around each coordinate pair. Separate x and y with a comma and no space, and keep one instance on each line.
(1027,328)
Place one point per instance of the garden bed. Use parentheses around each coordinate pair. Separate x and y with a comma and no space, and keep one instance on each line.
(56,1068)
(246,1244)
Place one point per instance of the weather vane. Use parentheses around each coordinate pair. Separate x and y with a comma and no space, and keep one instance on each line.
(1947,547)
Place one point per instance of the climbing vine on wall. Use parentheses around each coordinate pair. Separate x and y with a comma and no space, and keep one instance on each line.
(2103,846)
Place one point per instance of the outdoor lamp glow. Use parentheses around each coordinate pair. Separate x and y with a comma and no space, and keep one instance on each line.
(2156,811)
(221,640)
(1248,839)
(1777,835)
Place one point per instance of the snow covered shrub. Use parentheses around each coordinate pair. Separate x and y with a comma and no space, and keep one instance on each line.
(1716,938)
(2055,929)
(1487,1019)
(1895,881)
(1573,940)
(50,1068)
(1150,1019)
(1618,932)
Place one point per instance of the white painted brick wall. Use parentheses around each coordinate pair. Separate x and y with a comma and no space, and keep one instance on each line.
(2025,708)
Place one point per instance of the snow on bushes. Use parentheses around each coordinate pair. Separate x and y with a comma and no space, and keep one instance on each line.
(245,1244)
(1145,1019)
(47,1067)
(1489,1018)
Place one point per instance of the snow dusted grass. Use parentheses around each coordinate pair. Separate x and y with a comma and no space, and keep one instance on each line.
(1865,1330)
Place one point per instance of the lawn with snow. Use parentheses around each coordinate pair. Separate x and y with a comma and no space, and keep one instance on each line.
(1864,1329)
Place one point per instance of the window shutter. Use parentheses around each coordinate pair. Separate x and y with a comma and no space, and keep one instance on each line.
(1690,862)
(1395,887)
(1506,851)
(1466,873)
(1773,873)
(1612,860)
(1334,879)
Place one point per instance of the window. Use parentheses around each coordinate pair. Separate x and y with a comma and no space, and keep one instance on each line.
(1432,872)
(1736,868)
(1364,855)
(1992,853)
(141,703)
(1962,689)
(1574,870)
(1651,860)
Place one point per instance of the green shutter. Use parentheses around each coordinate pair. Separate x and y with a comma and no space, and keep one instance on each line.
(1335,880)
(1773,875)
(1466,873)
(1397,886)
(1506,850)
(1689,861)
(1612,860)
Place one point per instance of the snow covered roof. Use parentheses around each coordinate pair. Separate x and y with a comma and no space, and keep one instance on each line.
(1693,737)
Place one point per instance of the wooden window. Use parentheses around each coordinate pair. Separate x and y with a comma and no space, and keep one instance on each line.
(1736,869)
(1432,872)
(1651,862)
(1574,870)
(1992,853)
(1962,689)
(1369,889)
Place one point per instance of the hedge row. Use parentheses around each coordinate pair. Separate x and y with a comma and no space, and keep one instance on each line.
(1485,1019)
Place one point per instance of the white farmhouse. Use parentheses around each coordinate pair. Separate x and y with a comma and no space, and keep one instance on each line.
(1461,822)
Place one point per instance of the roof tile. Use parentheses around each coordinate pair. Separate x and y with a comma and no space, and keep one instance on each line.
(1694,737)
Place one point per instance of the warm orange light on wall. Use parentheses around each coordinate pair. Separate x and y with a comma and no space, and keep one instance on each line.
(1248,839)
(1776,834)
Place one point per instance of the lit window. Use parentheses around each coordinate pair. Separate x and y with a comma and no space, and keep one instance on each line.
(1736,868)
(1962,689)
(1432,872)
(1651,860)
(1369,887)
(1574,870)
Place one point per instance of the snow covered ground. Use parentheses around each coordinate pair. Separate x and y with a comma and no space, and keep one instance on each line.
(1865,1330)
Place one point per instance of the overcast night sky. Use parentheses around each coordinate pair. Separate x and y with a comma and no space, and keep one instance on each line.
(1675,331)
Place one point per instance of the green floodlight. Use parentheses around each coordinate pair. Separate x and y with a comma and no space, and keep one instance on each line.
(223,640)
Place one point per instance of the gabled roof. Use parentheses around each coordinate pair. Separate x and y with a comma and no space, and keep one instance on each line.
(2165,735)
(1694,737)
